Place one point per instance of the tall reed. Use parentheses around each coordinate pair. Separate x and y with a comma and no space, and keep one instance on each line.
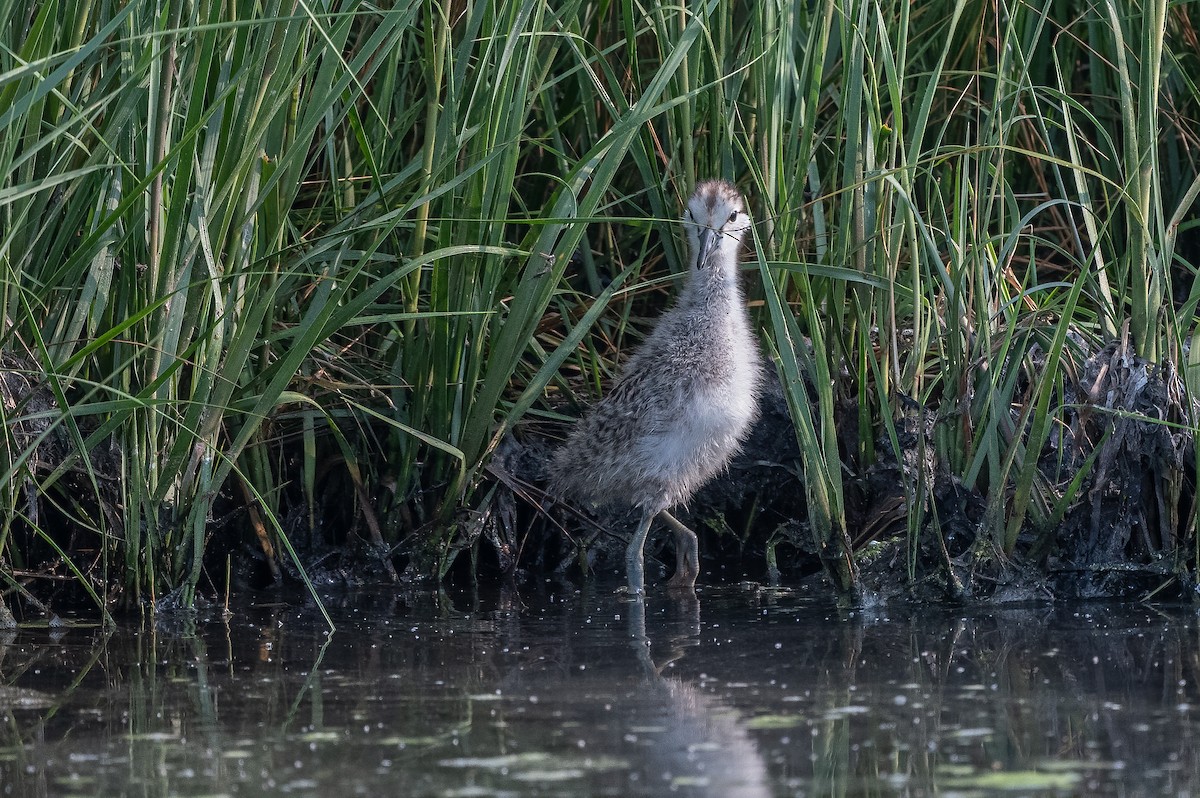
(264,260)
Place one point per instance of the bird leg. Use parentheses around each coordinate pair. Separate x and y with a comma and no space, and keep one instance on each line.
(635,572)
(637,635)
(687,553)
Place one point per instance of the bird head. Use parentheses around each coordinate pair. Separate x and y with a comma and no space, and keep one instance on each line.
(715,220)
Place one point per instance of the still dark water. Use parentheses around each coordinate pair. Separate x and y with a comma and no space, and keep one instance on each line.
(743,692)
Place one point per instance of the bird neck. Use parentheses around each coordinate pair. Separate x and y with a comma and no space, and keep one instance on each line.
(713,285)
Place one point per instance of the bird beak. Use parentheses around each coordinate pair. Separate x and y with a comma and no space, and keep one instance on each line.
(708,244)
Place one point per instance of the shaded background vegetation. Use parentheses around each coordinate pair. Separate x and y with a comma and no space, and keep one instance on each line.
(283,274)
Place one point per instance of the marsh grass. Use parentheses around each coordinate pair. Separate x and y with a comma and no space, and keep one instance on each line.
(282,266)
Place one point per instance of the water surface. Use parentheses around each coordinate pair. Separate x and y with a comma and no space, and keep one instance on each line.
(743,692)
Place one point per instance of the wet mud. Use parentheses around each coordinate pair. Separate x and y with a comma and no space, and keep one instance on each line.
(1120,455)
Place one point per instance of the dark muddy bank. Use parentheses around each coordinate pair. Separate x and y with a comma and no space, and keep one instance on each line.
(1116,477)
(1116,474)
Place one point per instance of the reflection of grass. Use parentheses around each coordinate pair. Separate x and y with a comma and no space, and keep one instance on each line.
(300,269)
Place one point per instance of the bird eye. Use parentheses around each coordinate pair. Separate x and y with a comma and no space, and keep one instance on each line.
(733,216)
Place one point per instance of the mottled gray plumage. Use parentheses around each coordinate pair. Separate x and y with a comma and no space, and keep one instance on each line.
(685,400)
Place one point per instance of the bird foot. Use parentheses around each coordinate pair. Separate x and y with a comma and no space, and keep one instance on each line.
(687,554)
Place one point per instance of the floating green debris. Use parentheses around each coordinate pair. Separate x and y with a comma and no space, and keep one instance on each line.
(475,791)
(506,762)
(689,781)
(562,774)
(836,713)
(773,722)
(24,698)
(321,736)
(406,742)
(532,765)
(486,697)
(966,734)
(1017,780)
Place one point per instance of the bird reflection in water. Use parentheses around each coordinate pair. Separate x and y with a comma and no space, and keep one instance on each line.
(698,746)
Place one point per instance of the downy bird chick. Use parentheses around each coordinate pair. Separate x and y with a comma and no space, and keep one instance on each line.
(686,399)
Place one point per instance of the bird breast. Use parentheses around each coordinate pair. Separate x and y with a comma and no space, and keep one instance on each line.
(712,413)
(685,402)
